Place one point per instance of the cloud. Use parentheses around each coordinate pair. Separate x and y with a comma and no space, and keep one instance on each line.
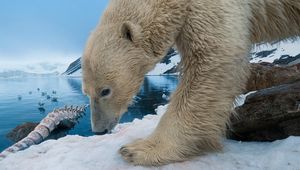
(43,61)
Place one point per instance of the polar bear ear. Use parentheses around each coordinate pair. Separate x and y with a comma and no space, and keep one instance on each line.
(131,31)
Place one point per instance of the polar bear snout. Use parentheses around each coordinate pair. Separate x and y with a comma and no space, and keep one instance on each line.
(103,120)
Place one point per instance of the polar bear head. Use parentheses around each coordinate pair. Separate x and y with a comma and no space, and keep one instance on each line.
(114,64)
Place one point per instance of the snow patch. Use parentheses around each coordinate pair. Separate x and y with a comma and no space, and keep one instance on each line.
(240,100)
(101,152)
(161,68)
(290,47)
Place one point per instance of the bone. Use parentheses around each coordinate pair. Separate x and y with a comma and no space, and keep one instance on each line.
(46,126)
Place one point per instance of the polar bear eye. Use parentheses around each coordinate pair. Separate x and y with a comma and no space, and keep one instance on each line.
(105,92)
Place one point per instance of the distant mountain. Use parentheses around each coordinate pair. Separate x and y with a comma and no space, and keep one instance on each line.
(168,63)
(22,74)
(282,53)
(74,68)
(32,69)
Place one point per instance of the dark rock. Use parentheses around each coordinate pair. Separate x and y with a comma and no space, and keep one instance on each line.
(170,54)
(287,60)
(266,75)
(172,70)
(269,114)
(21,131)
(266,53)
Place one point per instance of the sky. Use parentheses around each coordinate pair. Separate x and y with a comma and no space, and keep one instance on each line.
(34,31)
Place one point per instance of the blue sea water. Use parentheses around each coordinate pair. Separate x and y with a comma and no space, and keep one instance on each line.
(20,99)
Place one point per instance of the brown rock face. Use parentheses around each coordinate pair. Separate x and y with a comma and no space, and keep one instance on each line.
(21,131)
(266,75)
(268,114)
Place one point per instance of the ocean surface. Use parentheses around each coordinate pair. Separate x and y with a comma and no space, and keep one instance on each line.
(30,99)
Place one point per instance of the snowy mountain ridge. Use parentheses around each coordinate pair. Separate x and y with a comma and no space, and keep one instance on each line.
(22,74)
(170,61)
(281,53)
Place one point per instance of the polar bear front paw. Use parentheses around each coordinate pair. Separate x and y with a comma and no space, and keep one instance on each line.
(143,152)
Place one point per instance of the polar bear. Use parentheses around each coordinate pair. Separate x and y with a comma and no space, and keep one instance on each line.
(213,37)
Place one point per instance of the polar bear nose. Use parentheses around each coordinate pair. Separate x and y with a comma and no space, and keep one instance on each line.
(102,133)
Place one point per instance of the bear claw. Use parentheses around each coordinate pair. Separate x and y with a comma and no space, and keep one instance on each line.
(126,154)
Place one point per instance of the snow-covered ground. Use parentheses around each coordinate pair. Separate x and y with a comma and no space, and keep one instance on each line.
(100,152)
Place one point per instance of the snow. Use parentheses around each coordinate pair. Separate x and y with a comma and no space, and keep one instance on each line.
(289,47)
(100,152)
(240,100)
(161,68)
(164,96)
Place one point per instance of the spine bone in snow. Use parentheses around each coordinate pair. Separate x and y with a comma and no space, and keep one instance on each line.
(46,126)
